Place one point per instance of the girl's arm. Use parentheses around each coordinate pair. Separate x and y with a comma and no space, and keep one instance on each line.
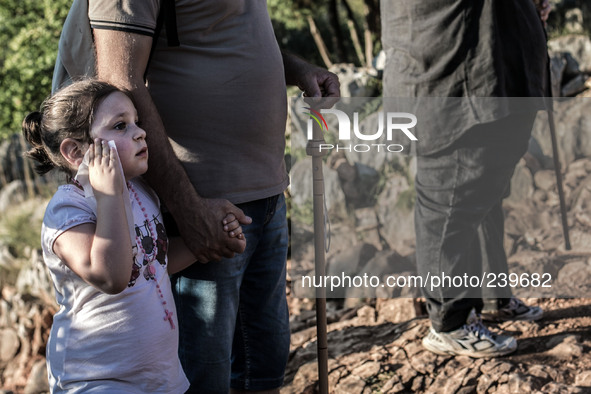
(101,253)
(180,256)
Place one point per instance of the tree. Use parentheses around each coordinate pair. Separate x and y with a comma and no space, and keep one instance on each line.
(328,31)
(29,33)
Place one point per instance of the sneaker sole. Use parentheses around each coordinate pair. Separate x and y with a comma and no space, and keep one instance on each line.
(468,353)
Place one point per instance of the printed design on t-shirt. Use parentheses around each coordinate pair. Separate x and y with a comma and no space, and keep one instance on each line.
(135,267)
(153,250)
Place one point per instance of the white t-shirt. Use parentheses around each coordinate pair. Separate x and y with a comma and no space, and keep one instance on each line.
(113,343)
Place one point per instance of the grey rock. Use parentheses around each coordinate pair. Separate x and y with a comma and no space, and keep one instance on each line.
(574,86)
(359,183)
(348,263)
(573,130)
(346,171)
(565,347)
(351,259)
(395,310)
(553,387)
(579,46)
(302,186)
(522,183)
(583,378)
(367,370)
(11,160)
(355,82)
(367,179)
(545,180)
(519,383)
(396,214)
(9,344)
(575,274)
(557,67)
(379,61)
(12,194)
(367,226)
(34,279)
(351,384)
(574,21)
(37,382)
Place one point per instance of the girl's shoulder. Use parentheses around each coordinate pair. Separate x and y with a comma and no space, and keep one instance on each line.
(69,194)
(68,202)
(67,208)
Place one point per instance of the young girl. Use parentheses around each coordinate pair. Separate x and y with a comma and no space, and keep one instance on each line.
(115,330)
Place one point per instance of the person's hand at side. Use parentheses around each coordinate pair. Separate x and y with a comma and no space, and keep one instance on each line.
(544,7)
(315,82)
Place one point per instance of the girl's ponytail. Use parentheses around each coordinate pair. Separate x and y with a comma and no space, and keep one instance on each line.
(33,134)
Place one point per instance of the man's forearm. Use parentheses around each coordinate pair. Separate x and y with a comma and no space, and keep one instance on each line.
(165,173)
(293,66)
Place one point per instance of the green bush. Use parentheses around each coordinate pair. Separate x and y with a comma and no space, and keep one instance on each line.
(29,33)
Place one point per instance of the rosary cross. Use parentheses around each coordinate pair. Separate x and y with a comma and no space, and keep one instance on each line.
(168,317)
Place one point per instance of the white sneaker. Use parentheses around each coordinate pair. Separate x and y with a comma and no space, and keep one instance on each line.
(473,339)
(514,310)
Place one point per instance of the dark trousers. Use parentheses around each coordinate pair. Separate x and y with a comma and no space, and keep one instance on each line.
(459,218)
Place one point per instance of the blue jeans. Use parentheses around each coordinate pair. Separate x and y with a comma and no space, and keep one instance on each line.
(233,316)
(459,220)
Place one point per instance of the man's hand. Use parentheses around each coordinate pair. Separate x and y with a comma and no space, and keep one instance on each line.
(312,80)
(544,9)
(204,232)
(318,82)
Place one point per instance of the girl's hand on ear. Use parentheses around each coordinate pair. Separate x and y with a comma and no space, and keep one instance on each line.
(103,170)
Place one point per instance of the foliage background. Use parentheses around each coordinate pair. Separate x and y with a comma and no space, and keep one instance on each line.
(30,30)
(29,33)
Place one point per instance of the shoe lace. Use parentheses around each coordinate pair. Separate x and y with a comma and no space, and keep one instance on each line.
(479,329)
(516,303)
(516,306)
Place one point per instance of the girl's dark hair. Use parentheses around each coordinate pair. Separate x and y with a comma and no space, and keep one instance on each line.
(69,113)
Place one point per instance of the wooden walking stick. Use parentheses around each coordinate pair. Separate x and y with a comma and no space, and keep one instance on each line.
(313,149)
(558,171)
(540,5)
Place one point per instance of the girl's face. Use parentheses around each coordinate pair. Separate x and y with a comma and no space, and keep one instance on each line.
(116,119)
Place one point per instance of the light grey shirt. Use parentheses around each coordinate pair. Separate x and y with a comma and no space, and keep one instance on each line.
(221,93)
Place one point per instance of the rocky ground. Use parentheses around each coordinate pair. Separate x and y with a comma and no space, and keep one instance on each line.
(370,354)
(375,344)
